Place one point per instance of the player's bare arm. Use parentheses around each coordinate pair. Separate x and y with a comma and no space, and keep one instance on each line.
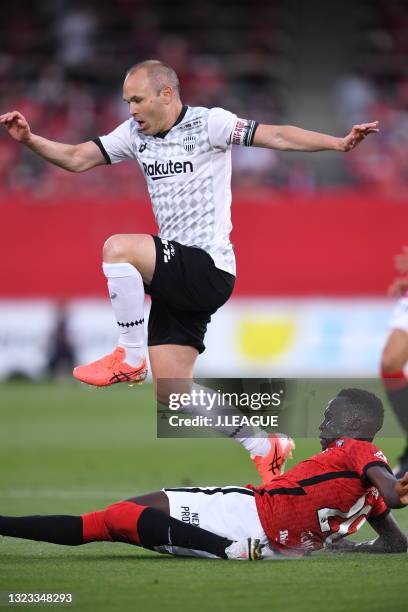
(291,138)
(75,158)
(393,491)
(391,539)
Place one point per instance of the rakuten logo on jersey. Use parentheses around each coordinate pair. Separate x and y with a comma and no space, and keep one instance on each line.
(158,170)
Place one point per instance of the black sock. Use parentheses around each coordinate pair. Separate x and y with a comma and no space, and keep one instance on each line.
(398,399)
(157,528)
(57,529)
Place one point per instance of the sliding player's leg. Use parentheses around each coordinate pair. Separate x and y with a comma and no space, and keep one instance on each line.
(128,262)
(131,522)
(394,358)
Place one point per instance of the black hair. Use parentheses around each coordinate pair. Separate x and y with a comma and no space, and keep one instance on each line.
(365,405)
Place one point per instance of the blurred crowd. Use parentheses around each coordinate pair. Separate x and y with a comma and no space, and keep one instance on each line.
(62,63)
(378,89)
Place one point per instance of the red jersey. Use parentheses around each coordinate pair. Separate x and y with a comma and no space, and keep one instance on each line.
(323,498)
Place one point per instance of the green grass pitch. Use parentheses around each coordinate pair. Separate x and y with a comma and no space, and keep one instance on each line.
(66,448)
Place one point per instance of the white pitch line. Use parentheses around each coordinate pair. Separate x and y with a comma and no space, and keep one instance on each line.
(62,494)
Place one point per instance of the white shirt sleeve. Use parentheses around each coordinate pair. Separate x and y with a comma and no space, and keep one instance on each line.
(117,146)
(220,126)
(225,128)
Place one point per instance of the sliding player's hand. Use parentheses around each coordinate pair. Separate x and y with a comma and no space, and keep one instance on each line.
(357,134)
(341,546)
(16,125)
(402,489)
(401,260)
(398,287)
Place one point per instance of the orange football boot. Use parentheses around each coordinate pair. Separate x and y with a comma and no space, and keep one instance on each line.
(273,464)
(110,370)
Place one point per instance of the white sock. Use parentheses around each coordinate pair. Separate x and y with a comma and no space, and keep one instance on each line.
(259,446)
(254,439)
(126,291)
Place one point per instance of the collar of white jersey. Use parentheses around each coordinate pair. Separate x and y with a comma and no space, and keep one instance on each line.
(179,118)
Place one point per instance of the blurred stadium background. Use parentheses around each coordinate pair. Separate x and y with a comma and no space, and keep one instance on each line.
(315,237)
(315,234)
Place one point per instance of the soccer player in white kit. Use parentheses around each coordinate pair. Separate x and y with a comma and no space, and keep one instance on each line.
(189,268)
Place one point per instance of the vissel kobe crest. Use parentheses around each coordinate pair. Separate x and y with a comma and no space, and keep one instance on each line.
(189,143)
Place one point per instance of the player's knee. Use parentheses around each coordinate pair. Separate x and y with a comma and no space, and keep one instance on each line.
(114,249)
(390,363)
(115,521)
(121,521)
(112,518)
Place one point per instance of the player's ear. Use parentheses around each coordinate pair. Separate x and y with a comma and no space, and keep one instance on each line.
(357,426)
(166,94)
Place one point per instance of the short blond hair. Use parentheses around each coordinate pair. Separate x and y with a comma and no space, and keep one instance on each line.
(159,73)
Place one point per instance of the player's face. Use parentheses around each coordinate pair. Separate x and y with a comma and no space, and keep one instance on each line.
(332,426)
(148,107)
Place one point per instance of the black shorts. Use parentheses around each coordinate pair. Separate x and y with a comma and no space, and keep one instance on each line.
(186,289)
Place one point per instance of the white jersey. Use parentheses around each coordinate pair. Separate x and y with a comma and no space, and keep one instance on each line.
(399,318)
(188,175)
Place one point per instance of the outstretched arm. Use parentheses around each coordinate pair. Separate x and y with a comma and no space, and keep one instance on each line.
(391,539)
(75,158)
(290,138)
(393,491)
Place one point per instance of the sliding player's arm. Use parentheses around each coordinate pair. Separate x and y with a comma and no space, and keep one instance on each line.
(75,158)
(391,539)
(290,138)
(393,491)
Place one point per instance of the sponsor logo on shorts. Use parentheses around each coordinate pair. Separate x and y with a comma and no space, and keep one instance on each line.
(160,170)
(168,250)
(192,518)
